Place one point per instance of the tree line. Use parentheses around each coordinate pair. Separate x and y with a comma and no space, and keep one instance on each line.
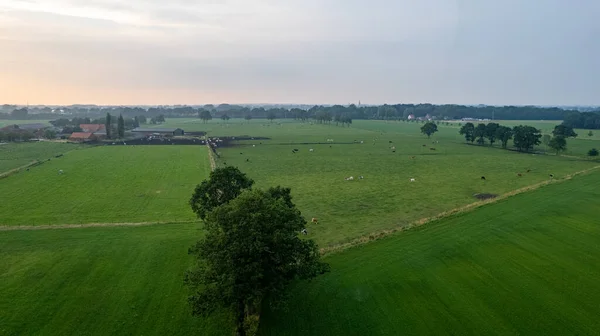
(573,118)
(525,138)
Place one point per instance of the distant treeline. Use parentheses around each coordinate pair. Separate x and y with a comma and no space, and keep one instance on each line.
(383,112)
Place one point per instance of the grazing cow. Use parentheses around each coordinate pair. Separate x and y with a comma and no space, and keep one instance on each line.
(393,147)
(413,157)
(295,150)
(529,170)
(519,174)
(241,153)
(412,180)
(362,142)
(390,141)
(60,172)
(361,177)
(424,145)
(253,145)
(551,175)
(432,148)
(247,160)
(311,150)
(483,178)
(304,232)
(314,220)
(351,178)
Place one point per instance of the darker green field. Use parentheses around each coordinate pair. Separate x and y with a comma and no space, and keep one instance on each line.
(528,265)
(99,281)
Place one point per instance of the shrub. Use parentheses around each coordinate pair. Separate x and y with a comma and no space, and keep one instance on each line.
(593,152)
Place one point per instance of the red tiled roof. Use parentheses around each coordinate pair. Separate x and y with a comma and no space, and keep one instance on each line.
(92,127)
(80,135)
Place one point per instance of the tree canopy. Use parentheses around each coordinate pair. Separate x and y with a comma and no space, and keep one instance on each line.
(223,185)
(504,134)
(205,115)
(429,128)
(564,131)
(250,253)
(526,137)
(468,130)
(558,143)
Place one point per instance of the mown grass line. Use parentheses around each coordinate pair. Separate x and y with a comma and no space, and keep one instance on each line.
(87,225)
(446,214)
(18,169)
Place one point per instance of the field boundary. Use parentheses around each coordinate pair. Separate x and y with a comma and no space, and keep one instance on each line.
(77,226)
(18,169)
(211,158)
(460,210)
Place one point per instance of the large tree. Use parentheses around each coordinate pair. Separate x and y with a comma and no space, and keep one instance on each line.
(205,115)
(108,126)
(429,128)
(271,115)
(480,133)
(248,117)
(490,132)
(468,130)
(121,126)
(526,137)
(225,117)
(564,131)
(558,143)
(504,134)
(222,185)
(249,255)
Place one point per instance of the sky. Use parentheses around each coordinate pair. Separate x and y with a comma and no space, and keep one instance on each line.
(151,52)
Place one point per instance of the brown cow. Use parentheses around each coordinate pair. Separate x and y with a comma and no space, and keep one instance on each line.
(314,220)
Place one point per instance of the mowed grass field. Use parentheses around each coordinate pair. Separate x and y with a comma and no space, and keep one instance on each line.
(99,281)
(108,184)
(446,178)
(528,265)
(14,155)
(22,122)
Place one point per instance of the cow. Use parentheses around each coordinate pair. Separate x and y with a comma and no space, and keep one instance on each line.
(519,174)
(351,178)
(60,172)
(390,141)
(412,157)
(295,149)
(253,145)
(412,180)
(551,175)
(361,177)
(362,142)
(529,170)
(483,178)
(247,160)
(424,145)
(311,150)
(432,148)
(304,232)
(314,220)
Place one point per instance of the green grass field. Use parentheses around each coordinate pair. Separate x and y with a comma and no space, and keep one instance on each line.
(525,266)
(14,155)
(21,122)
(445,178)
(106,185)
(99,281)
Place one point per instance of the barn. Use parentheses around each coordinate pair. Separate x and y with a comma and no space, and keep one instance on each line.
(158,131)
(82,137)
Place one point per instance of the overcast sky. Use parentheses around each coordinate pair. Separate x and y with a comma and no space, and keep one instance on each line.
(300,51)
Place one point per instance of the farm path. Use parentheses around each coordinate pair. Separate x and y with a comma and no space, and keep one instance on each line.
(87,225)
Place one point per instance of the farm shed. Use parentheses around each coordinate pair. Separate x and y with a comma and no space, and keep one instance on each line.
(160,131)
(82,137)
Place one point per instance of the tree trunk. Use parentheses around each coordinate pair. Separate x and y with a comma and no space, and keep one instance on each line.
(240,316)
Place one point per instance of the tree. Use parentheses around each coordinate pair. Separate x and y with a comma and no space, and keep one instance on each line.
(222,185)
(429,128)
(558,143)
(19,113)
(142,119)
(468,130)
(205,116)
(108,126)
(590,134)
(248,117)
(250,254)
(49,134)
(593,152)
(504,134)
(479,133)
(271,115)
(490,132)
(121,126)
(225,117)
(160,118)
(526,137)
(564,131)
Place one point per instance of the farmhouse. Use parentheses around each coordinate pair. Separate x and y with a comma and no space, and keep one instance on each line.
(158,131)
(82,136)
(92,128)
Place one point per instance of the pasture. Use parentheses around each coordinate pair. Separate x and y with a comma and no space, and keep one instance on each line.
(99,281)
(4,122)
(14,155)
(106,185)
(527,265)
(445,178)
